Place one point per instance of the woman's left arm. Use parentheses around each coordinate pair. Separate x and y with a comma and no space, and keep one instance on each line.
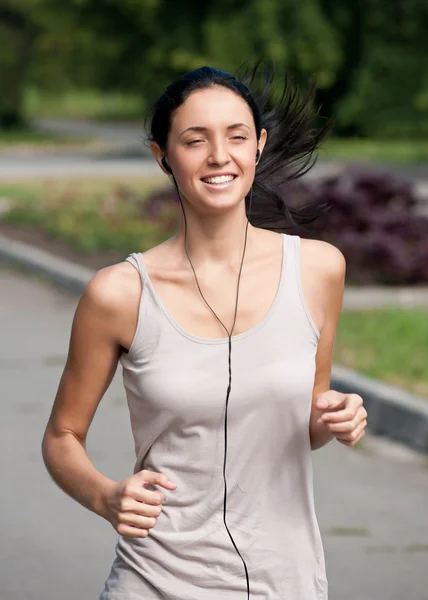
(333,414)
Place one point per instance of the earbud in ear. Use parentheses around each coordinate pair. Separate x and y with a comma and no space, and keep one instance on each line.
(166,165)
(257,156)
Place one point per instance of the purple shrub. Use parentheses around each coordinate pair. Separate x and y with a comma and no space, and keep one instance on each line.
(373,220)
(163,207)
(156,202)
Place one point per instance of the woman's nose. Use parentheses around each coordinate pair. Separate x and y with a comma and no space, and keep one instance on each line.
(219,154)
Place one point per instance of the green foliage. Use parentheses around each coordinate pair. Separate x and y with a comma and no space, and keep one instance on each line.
(389,97)
(367,57)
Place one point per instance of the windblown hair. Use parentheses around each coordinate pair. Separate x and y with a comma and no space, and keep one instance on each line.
(293,137)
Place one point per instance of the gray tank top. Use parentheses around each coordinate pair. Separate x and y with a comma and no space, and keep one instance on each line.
(176,387)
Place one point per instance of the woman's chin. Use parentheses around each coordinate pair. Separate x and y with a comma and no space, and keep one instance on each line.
(226,199)
(221,203)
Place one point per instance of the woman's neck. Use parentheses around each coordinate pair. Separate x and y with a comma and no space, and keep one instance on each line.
(214,241)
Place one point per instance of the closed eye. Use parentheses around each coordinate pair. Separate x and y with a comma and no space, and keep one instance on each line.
(235,137)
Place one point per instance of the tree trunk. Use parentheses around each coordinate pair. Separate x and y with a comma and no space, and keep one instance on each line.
(15,46)
(353,46)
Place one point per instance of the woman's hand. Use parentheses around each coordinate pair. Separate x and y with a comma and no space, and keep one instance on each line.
(343,415)
(131,508)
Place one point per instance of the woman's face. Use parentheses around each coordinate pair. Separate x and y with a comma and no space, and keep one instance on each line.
(212,147)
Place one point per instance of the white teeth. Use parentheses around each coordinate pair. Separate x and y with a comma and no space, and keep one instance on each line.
(220,179)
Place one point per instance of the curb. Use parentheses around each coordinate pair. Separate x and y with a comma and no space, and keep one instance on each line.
(59,271)
(395,413)
(372,297)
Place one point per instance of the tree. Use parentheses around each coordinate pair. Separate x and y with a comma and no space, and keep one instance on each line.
(16,38)
(382,89)
(367,57)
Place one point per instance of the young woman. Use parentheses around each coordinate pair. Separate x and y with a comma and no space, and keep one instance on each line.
(227,398)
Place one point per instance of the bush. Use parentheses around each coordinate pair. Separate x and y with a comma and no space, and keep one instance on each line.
(163,207)
(372,219)
(115,220)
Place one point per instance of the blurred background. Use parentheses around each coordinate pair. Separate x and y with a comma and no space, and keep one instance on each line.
(78,182)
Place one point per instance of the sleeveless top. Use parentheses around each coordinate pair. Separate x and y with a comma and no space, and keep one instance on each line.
(176,386)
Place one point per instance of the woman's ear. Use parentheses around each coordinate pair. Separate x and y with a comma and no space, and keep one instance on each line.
(262,140)
(159,156)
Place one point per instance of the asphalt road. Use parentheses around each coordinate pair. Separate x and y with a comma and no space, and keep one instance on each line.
(371,503)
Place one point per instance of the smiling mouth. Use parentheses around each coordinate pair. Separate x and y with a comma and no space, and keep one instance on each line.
(219,180)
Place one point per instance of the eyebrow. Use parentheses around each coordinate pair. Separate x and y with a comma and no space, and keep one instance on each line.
(204,129)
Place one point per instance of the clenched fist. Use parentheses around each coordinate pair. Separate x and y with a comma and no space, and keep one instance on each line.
(133,509)
(343,415)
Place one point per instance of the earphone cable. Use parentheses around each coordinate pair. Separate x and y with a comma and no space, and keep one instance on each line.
(230,368)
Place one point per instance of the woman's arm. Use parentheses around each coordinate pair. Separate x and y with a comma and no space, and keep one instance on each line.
(105,319)
(323,278)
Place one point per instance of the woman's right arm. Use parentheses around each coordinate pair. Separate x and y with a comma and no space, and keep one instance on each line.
(96,336)
(104,323)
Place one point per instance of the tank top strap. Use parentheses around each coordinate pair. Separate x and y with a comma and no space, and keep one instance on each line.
(137,261)
(295,291)
(288,262)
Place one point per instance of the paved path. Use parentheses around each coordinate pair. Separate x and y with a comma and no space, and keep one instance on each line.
(121,132)
(51,167)
(131,157)
(131,134)
(371,503)
(122,163)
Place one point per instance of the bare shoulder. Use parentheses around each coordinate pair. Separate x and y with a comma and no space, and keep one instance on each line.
(112,287)
(323,269)
(324,259)
(109,304)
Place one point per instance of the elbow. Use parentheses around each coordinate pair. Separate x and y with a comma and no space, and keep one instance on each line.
(48,447)
(45,444)
(54,444)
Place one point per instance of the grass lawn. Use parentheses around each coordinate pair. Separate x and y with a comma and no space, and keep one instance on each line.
(27,138)
(400,151)
(389,344)
(84,104)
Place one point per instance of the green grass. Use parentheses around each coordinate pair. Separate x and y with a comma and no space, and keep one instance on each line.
(25,136)
(84,104)
(389,344)
(399,151)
